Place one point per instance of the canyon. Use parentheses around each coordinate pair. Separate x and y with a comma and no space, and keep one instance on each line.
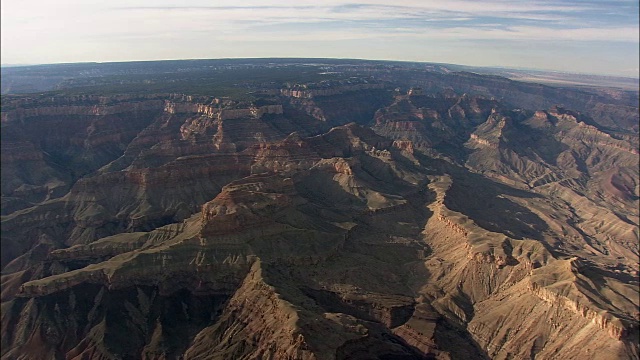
(401,214)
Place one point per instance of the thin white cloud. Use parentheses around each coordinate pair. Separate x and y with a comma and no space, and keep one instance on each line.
(74,30)
(619,34)
(372,10)
(227,15)
(462,6)
(528,33)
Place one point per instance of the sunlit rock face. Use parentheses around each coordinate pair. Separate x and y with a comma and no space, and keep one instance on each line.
(348,221)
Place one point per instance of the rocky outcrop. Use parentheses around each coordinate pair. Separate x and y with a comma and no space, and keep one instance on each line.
(287,156)
(404,145)
(220,113)
(575,296)
(392,311)
(267,329)
(420,330)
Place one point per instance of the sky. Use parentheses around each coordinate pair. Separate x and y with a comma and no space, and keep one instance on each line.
(590,36)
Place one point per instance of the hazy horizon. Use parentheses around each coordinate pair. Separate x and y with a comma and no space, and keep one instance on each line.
(587,37)
(523,69)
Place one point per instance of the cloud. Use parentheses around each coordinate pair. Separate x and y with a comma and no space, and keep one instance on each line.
(517,33)
(87,30)
(337,10)
(517,20)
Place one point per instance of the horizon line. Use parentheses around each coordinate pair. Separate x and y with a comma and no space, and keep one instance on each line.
(496,67)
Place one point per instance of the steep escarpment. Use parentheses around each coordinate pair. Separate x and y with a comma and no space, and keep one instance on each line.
(338,104)
(46,150)
(144,160)
(494,280)
(617,113)
(433,123)
(559,156)
(267,219)
(84,322)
